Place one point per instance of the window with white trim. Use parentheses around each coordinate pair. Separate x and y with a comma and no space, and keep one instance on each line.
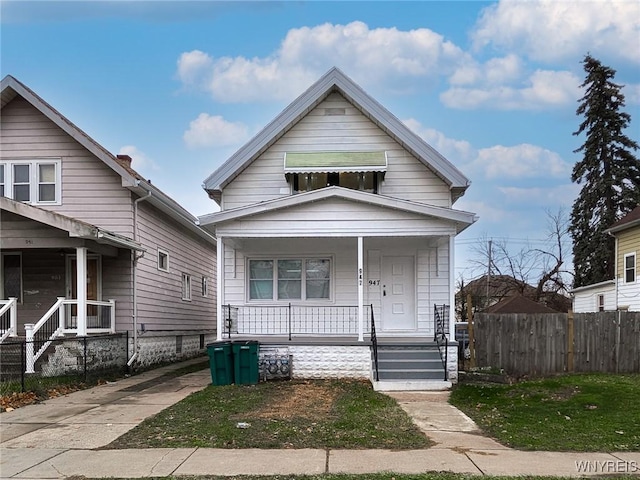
(205,286)
(163,260)
(630,268)
(601,303)
(282,279)
(186,286)
(11,275)
(32,181)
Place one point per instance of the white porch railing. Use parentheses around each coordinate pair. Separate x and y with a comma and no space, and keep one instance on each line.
(61,319)
(8,318)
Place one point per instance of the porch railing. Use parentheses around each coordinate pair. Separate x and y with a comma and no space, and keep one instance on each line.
(292,320)
(374,345)
(8,318)
(61,319)
(441,329)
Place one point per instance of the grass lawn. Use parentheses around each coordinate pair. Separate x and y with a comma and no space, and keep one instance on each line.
(589,412)
(281,414)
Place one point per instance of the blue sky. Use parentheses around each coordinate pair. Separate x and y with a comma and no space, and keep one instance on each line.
(181,85)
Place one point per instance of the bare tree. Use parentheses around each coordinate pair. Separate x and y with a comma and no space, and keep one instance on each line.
(504,267)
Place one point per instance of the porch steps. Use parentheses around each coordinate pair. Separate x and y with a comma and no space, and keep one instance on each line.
(410,367)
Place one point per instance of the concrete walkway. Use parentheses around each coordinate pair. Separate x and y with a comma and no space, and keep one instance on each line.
(58,439)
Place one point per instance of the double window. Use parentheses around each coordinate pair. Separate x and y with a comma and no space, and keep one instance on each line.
(290,279)
(630,268)
(32,181)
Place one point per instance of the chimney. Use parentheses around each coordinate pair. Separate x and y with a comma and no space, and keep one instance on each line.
(126,159)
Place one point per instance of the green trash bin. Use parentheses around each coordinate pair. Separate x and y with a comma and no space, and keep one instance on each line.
(220,363)
(245,362)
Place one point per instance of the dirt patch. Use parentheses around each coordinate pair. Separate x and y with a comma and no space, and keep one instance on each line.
(312,401)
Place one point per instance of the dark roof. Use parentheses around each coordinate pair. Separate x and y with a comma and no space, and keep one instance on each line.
(518,304)
(629,220)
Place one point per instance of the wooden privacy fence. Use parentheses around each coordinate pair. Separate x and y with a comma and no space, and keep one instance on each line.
(538,344)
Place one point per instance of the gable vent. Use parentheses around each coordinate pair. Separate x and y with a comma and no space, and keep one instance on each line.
(335,111)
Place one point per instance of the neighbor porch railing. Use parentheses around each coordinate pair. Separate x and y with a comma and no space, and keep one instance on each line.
(8,318)
(289,320)
(441,329)
(61,319)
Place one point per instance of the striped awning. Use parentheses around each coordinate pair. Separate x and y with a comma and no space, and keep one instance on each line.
(326,162)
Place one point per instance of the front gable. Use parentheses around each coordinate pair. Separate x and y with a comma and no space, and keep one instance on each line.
(335,114)
(336,125)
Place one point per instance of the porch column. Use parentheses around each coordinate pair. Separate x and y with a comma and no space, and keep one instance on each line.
(219,286)
(360,290)
(81,289)
(452,287)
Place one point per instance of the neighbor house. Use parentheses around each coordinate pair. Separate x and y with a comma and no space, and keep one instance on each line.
(336,238)
(70,210)
(623,291)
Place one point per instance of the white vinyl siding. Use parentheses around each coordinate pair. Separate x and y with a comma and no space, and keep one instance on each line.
(589,299)
(90,190)
(406,177)
(432,284)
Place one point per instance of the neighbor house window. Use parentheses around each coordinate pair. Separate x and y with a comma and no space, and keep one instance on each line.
(630,268)
(11,276)
(205,287)
(163,261)
(601,303)
(186,286)
(290,279)
(35,181)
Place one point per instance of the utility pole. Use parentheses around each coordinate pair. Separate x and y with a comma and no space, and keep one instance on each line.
(486,304)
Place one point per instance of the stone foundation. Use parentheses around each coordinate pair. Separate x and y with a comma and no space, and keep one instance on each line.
(156,348)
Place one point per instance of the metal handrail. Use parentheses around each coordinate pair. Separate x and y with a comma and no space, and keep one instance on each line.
(8,311)
(374,344)
(440,334)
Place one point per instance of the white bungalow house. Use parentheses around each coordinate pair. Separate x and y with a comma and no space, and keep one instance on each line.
(623,291)
(336,239)
(71,209)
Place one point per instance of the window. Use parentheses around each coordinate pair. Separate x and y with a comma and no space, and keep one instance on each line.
(163,261)
(364,181)
(290,279)
(35,181)
(1,180)
(630,268)
(11,276)
(205,287)
(186,286)
(601,303)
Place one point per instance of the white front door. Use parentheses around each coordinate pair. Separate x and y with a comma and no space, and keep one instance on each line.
(398,293)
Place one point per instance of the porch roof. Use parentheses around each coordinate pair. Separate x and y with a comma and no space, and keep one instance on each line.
(75,228)
(459,218)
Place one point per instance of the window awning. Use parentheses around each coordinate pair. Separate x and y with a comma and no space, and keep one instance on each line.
(326,162)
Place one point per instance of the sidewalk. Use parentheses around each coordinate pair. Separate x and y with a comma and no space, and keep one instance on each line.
(59,437)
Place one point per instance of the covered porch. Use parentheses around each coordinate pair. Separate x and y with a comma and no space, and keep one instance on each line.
(43,255)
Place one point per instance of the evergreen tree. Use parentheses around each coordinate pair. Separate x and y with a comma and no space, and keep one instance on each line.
(609,173)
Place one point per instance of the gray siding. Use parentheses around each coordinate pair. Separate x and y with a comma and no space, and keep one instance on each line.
(91,191)
(160,304)
(406,178)
(117,283)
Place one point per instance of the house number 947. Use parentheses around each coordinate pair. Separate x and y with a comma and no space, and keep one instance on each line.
(374,282)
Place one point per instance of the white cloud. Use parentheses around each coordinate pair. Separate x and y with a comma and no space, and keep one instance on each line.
(494,71)
(553,30)
(632,93)
(520,161)
(403,59)
(541,196)
(543,89)
(454,150)
(485,212)
(214,131)
(140,162)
